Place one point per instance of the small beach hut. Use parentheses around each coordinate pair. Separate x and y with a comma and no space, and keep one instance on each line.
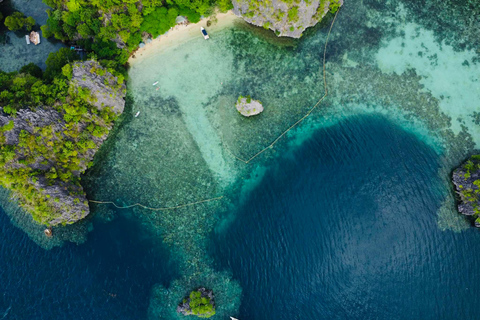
(181,20)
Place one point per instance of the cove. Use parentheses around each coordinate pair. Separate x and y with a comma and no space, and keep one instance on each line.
(344,228)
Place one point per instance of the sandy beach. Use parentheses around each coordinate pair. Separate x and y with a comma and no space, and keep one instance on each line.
(183,33)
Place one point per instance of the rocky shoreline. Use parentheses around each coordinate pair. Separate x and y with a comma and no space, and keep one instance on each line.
(42,141)
(466,179)
(200,302)
(285,18)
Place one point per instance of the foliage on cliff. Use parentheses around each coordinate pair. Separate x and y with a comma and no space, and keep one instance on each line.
(285,17)
(49,132)
(467,181)
(200,303)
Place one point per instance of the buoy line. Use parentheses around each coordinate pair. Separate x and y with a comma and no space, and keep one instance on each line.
(155,209)
(235,156)
(305,116)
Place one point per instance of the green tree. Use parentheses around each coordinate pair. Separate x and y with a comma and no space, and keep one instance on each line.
(56,61)
(224,5)
(201,306)
(32,69)
(15,21)
(29,23)
(159,21)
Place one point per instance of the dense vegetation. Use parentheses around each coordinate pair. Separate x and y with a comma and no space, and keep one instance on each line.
(17,21)
(201,306)
(53,153)
(470,189)
(112,29)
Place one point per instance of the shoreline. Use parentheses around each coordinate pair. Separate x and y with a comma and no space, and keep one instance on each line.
(182,33)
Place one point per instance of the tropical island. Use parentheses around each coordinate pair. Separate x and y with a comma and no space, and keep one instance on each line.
(200,302)
(466,179)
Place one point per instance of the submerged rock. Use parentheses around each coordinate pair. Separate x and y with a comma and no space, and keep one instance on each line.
(466,179)
(248,107)
(200,303)
(286,18)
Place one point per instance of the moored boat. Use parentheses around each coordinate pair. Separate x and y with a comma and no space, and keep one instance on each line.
(204,33)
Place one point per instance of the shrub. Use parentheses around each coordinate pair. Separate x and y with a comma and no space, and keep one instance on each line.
(32,69)
(201,306)
(293,14)
(17,21)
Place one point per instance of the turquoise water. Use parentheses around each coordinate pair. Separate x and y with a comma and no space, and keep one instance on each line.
(350,215)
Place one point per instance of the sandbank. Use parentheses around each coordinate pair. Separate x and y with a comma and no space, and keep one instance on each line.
(182,33)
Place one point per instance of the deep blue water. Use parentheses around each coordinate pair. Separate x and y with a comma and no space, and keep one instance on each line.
(109,277)
(342,228)
(346,229)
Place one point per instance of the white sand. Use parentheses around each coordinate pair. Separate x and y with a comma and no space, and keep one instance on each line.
(183,33)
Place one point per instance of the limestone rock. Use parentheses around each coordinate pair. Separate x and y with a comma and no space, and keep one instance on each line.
(286,18)
(184,306)
(466,179)
(102,84)
(66,200)
(248,107)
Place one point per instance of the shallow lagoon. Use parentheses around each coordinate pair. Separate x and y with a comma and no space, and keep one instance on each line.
(180,150)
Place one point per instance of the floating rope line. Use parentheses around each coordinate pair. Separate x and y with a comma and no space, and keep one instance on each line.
(235,156)
(305,116)
(156,209)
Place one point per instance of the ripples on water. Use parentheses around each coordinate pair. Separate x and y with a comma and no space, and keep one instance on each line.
(345,229)
(342,226)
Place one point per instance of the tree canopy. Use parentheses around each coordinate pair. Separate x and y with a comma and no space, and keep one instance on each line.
(17,21)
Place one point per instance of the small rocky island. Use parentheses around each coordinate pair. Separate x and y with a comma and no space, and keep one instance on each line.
(50,133)
(248,107)
(466,179)
(285,17)
(200,303)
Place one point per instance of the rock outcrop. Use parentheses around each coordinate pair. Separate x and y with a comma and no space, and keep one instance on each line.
(89,75)
(248,107)
(36,141)
(286,18)
(200,302)
(466,179)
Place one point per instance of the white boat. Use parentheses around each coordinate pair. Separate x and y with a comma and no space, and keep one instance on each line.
(204,33)
(27,37)
(136,115)
(233,318)
(155,83)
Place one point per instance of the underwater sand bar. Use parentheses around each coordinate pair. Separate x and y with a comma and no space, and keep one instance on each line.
(182,33)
